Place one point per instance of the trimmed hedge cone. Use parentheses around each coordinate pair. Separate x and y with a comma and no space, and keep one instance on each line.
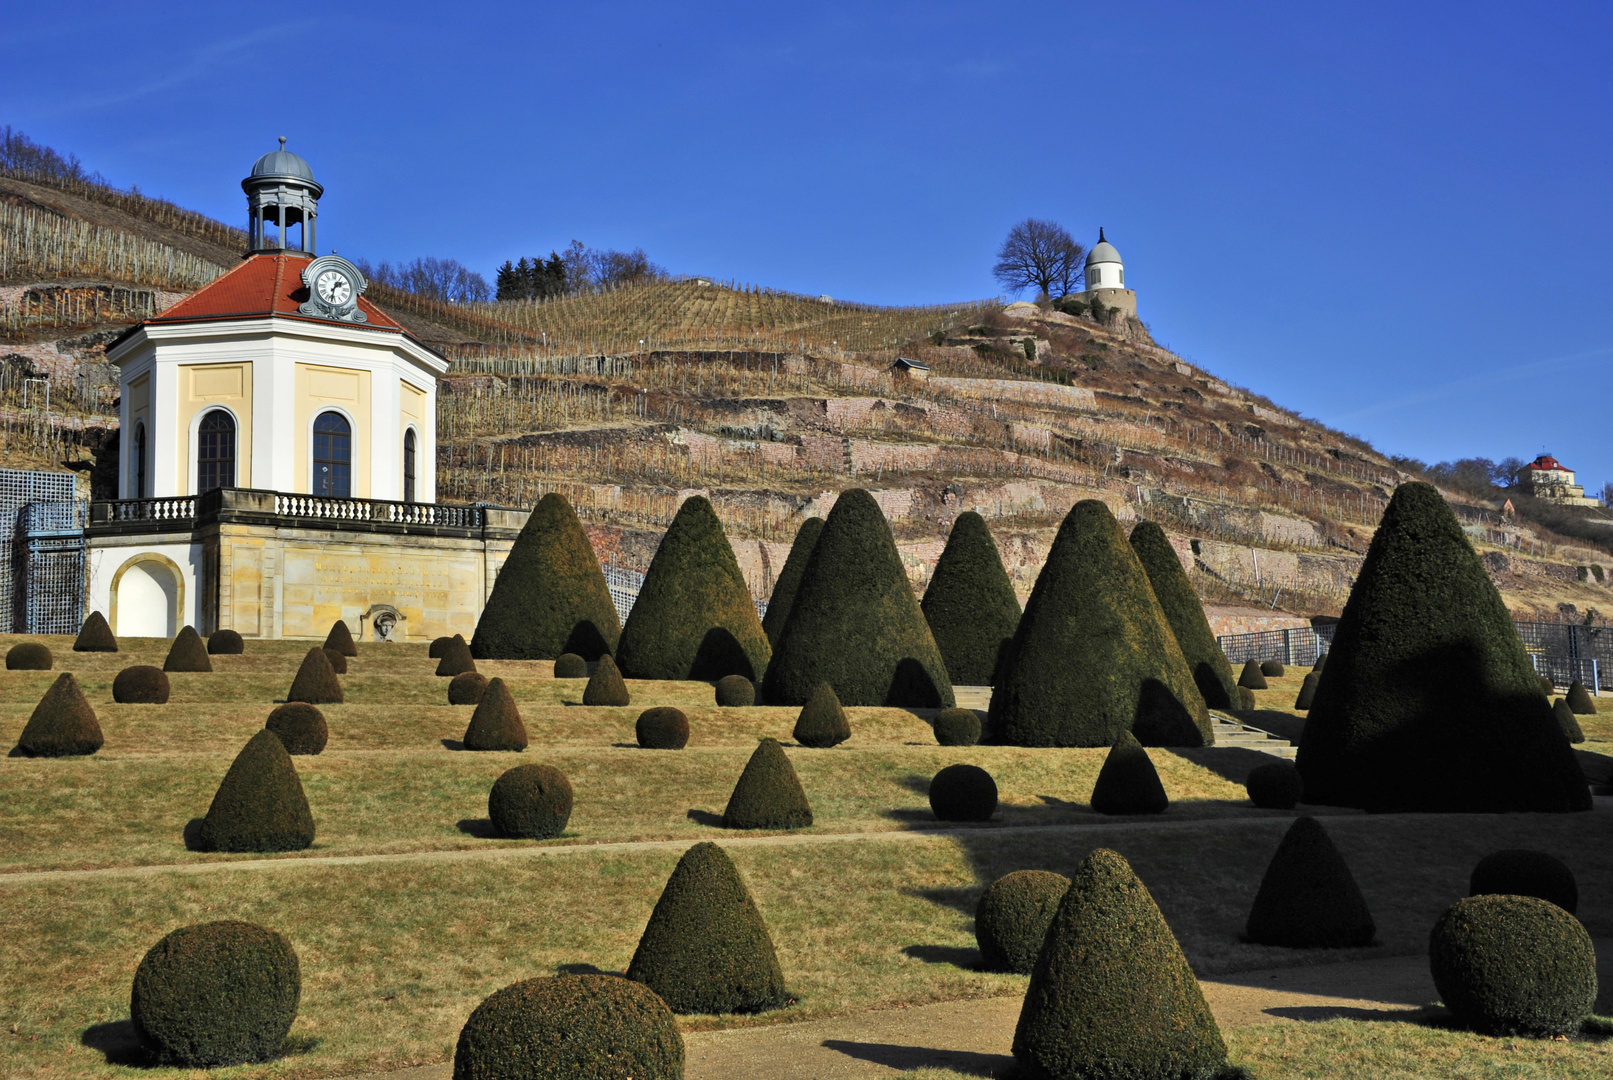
(1111,994)
(29,656)
(789,579)
(338,660)
(260,805)
(215,994)
(957,727)
(1520,872)
(662,728)
(438,644)
(1275,785)
(456,658)
(1128,783)
(496,724)
(1579,699)
(706,948)
(188,652)
(300,727)
(1185,612)
(735,692)
(1308,898)
(1272,669)
(1567,721)
(768,795)
(1429,702)
(694,617)
(963,793)
(340,639)
(316,682)
(970,603)
(63,724)
(1307,692)
(95,635)
(570,1027)
(822,722)
(1513,965)
(606,685)
(1251,677)
(550,595)
(225,643)
(140,685)
(467,688)
(1012,918)
(570,666)
(530,802)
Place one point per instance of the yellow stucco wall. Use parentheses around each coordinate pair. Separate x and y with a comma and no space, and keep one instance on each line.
(202,386)
(348,391)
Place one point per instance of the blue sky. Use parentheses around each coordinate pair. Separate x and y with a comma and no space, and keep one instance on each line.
(1394,218)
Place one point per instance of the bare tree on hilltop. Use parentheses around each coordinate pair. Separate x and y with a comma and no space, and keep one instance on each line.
(1040,255)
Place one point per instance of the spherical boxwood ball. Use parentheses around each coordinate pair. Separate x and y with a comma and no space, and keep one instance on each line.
(1013,916)
(530,801)
(570,1027)
(467,688)
(663,728)
(225,643)
(219,993)
(1518,872)
(29,656)
(1275,785)
(570,666)
(301,727)
(957,727)
(1513,965)
(735,692)
(963,793)
(1272,669)
(141,685)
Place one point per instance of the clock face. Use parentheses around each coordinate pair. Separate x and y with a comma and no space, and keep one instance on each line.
(333,287)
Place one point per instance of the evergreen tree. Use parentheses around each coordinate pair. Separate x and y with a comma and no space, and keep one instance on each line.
(260,805)
(970,603)
(789,579)
(1211,672)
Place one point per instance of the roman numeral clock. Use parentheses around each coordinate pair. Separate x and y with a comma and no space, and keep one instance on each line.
(334,286)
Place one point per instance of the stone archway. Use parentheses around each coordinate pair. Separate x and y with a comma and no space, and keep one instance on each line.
(148,594)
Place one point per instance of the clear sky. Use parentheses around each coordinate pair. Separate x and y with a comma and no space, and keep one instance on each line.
(1392,217)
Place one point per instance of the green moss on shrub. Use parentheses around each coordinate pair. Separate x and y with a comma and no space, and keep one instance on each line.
(467,688)
(1272,669)
(1513,965)
(1012,918)
(1307,692)
(1566,720)
(1579,699)
(570,666)
(456,658)
(1252,677)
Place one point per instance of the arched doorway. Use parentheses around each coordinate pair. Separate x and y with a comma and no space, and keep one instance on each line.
(333,456)
(215,451)
(146,594)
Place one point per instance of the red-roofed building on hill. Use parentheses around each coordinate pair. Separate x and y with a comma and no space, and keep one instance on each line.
(278,455)
(1547,478)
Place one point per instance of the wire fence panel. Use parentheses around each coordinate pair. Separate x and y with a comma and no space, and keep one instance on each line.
(20,489)
(51,536)
(1300,645)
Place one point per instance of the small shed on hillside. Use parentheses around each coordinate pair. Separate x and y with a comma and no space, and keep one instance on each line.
(916,369)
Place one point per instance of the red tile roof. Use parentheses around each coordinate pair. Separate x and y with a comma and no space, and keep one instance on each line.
(1546,461)
(261,286)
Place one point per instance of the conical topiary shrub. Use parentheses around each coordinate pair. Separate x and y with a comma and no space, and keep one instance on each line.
(963,793)
(29,656)
(1094,655)
(1246,698)
(1513,965)
(1184,611)
(706,948)
(214,994)
(456,658)
(188,652)
(530,802)
(340,639)
(789,579)
(694,617)
(438,644)
(662,728)
(316,681)
(970,603)
(141,685)
(1111,994)
(1547,687)
(300,726)
(1251,677)
(605,685)
(1579,699)
(1308,898)
(1321,662)
(260,806)
(467,688)
(957,727)
(1429,701)
(338,660)
(1307,692)
(1012,918)
(496,723)
(95,635)
(768,795)
(550,595)
(571,1027)
(855,623)
(1520,872)
(62,724)
(1128,783)
(735,692)
(225,643)
(1567,721)
(570,666)
(822,722)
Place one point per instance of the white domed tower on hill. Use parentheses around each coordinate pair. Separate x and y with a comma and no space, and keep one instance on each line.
(1106,279)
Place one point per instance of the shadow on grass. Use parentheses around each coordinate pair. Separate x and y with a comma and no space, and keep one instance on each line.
(453,744)
(119,1042)
(705,817)
(1316,1014)
(1232,763)
(908,1058)
(956,955)
(481,828)
(586,969)
(193,835)
(1284,725)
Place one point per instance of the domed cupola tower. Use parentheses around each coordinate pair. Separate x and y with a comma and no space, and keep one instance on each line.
(281,192)
(1106,279)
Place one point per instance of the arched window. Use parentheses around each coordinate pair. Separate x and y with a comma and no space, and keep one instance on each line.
(333,456)
(139,462)
(215,451)
(408,466)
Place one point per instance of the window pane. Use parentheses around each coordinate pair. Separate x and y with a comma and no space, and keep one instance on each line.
(215,452)
(332,456)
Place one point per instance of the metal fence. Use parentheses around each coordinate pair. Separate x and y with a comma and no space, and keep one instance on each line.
(1300,645)
(24,556)
(624,586)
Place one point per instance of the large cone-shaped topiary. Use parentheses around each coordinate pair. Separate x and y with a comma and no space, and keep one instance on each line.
(260,806)
(1094,655)
(789,579)
(1111,994)
(95,635)
(62,724)
(855,623)
(694,617)
(768,795)
(496,724)
(1308,898)
(1128,783)
(188,652)
(1428,701)
(316,681)
(340,638)
(970,603)
(706,948)
(550,595)
(1183,610)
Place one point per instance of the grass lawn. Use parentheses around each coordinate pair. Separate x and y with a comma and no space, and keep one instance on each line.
(395,954)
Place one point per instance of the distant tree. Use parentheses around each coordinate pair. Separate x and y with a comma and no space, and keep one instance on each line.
(1040,255)
(447,280)
(22,156)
